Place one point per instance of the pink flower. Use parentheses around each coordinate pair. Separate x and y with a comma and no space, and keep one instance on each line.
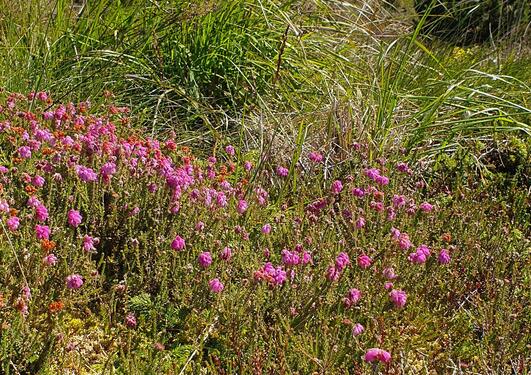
(332,274)
(306,257)
(377,206)
(342,261)
(230,150)
(205,259)
(38,181)
(357,192)
(282,172)
(399,201)
(24,152)
(403,242)
(242,206)
(360,223)
(364,261)
(216,286)
(266,229)
(389,273)
(178,243)
(352,297)
(388,285)
(49,260)
(248,166)
(316,157)
(420,255)
(74,218)
(88,244)
(444,257)
(357,329)
(74,281)
(86,174)
(403,167)
(426,207)
(42,232)
(395,234)
(4,206)
(336,187)
(130,320)
(41,213)
(199,226)
(226,253)
(398,297)
(13,223)
(376,354)
(382,180)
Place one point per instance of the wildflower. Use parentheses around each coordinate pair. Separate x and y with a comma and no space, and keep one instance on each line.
(49,260)
(199,226)
(420,255)
(55,307)
(352,297)
(41,213)
(215,285)
(13,223)
(336,187)
(24,152)
(205,259)
(74,281)
(444,256)
(376,354)
(47,245)
(306,257)
(403,242)
(242,206)
(130,320)
(426,207)
(388,285)
(372,173)
(38,181)
(22,306)
(282,172)
(266,229)
(364,261)
(178,243)
(315,156)
(389,273)
(42,232)
(399,201)
(88,244)
(74,218)
(230,150)
(333,274)
(357,192)
(342,261)
(290,258)
(226,253)
(32,202)
(357,329)
(382,180)
(86,174)
(398,297)
(248,166)
(377,206)
(360,223)
(403,167)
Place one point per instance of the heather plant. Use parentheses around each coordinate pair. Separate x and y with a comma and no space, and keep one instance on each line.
(131,254)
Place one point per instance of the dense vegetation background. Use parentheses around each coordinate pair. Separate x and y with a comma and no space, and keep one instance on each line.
(326,90)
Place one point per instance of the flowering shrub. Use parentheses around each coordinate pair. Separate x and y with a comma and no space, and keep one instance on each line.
(137,235)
